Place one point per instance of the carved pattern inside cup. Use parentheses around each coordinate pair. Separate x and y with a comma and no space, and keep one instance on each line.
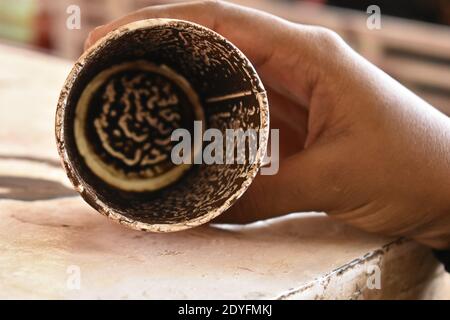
(124,121)
(211,80)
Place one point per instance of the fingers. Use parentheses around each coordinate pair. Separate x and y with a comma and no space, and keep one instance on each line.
(278,49)
(201,12)
(291,121)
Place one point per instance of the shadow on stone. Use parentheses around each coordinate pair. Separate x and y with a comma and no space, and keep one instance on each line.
(31,189)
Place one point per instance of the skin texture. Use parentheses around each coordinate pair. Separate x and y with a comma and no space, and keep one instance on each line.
(353,141)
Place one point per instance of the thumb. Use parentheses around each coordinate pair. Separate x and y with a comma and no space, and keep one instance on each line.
(303,183)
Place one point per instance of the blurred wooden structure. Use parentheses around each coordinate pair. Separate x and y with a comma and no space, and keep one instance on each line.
(69,43)
(415,53)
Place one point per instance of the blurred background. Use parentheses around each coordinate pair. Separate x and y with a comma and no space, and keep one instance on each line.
(413,44)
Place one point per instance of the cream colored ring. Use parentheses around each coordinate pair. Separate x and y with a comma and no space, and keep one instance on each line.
(107,172)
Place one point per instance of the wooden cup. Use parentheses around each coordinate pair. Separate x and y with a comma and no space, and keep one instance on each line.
(121,103)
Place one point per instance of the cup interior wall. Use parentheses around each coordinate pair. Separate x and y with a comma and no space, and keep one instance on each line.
(229,93)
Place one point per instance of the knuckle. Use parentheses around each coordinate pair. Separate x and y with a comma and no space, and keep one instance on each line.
(213,4)
(328,37)
(327,47)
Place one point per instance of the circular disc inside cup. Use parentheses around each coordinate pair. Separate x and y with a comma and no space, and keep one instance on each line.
(124,120)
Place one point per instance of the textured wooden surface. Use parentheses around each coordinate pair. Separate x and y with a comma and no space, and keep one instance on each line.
(48,235)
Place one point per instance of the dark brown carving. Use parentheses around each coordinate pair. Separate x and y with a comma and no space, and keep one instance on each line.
(123,99)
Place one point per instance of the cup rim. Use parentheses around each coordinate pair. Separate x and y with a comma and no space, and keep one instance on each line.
(90,196)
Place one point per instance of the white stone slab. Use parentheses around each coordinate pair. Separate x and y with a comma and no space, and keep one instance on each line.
(48,234)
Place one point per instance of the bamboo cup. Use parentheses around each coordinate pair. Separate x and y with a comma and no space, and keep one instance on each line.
(122,101)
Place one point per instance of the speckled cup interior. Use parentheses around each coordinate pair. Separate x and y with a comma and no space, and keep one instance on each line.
(230,95)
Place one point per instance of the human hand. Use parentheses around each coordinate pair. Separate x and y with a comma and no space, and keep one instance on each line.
(353,142)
